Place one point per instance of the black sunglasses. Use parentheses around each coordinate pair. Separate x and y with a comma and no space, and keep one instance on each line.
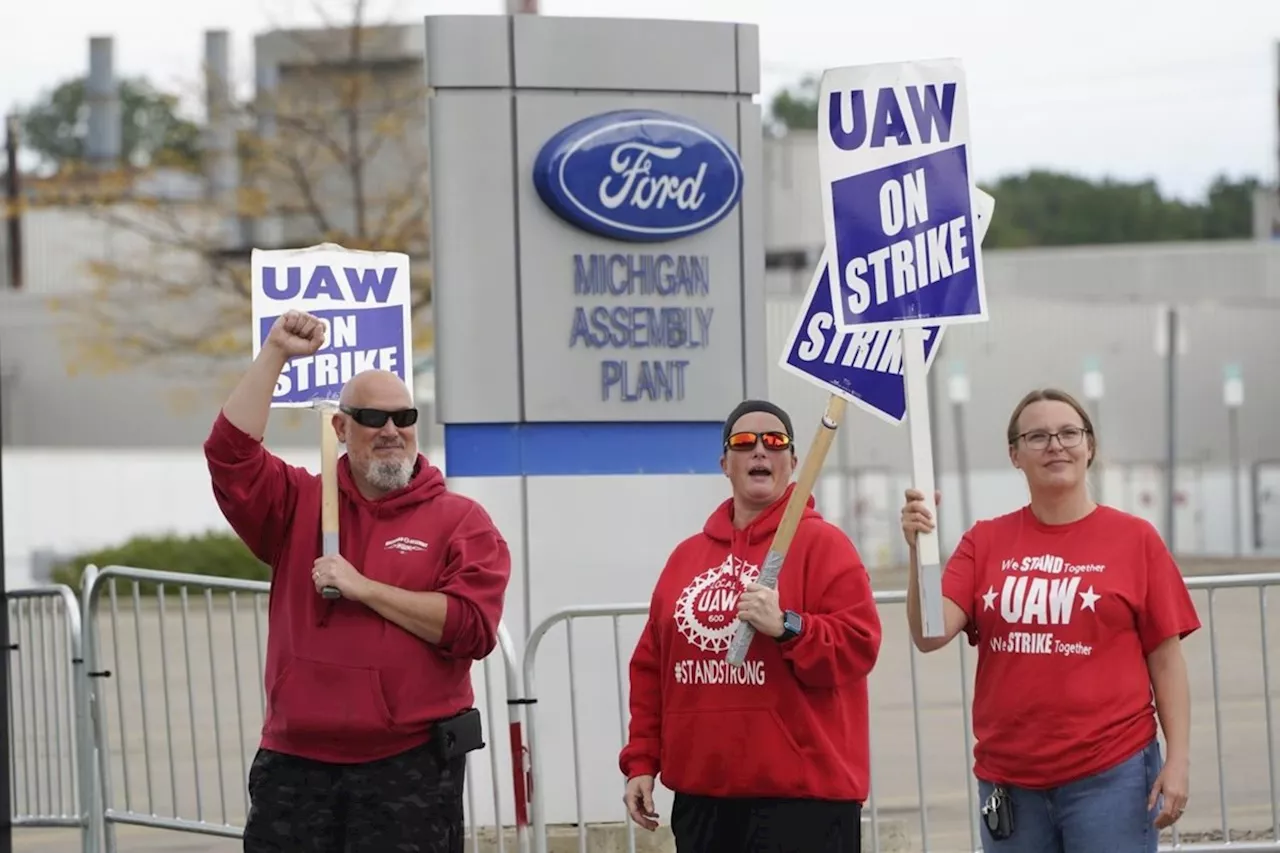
(377,418)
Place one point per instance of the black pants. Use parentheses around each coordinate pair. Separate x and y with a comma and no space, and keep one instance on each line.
(714,825)
(408,803)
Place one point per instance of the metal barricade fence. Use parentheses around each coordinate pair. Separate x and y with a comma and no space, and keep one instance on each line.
(48,709)
(161,692)
(923,792)
(73,667)
(178,661)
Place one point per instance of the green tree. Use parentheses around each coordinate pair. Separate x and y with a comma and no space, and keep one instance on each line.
(1230,208)
(152,132)
(1045,208)
(795,107)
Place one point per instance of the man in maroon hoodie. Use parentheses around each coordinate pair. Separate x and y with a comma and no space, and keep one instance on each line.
(772,756)
(369,700)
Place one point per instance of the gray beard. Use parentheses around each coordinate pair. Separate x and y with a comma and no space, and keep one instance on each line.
(390,475)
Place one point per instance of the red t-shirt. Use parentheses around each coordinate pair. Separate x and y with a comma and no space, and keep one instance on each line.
(1064,617)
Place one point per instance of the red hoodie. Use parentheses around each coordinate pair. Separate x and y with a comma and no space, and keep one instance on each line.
(792,721)
(345,685)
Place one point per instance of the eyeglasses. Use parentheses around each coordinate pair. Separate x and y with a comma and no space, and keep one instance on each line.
(748,440)
(1039,439)
(377,418)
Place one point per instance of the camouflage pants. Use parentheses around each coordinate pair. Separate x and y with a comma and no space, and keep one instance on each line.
(408,803)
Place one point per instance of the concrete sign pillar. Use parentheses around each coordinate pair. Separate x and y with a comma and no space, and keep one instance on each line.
(597,241)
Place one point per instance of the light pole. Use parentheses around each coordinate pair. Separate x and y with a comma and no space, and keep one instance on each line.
(15,250)
(958,392)
(1233,399)
(1093,390)
(1171,342)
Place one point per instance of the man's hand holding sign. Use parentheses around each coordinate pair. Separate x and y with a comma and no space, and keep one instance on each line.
(334,313)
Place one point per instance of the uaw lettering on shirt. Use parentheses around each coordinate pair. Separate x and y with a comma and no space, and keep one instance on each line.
(925,252)
(615,324)
(706,616)
(1027,600)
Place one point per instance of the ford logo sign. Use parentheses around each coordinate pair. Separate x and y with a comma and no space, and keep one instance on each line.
(638,175)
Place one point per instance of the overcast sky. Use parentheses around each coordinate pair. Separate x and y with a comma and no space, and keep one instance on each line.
(1127,88)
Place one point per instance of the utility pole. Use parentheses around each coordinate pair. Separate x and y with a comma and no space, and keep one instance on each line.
(1233,399)
(1093,389)
(15,266)
(1171,425)
(958,391)
(13,194)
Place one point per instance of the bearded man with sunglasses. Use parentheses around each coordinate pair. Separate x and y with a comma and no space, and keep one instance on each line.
(369,699)
(774,756)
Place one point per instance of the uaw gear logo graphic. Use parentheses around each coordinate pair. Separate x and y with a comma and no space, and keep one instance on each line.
(707,610)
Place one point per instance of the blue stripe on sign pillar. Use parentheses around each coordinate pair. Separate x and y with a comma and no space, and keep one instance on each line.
(581,449)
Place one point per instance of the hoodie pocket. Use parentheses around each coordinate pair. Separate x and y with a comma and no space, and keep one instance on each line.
(312,698)
(731,752)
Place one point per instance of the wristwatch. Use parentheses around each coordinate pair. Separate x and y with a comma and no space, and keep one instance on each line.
(792,626)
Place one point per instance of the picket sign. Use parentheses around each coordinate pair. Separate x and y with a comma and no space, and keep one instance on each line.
(904,223)
(364,300)
(899,215)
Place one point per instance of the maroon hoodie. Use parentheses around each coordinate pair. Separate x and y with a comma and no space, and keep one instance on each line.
(793,720)
(345,685)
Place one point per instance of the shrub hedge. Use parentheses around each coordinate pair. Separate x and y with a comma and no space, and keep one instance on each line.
(212,554)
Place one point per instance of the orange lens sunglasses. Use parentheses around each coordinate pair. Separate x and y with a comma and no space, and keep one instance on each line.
(747,440)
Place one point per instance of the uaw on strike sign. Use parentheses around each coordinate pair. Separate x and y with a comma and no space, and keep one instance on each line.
(903,226)
(898,196)
(363,298)
(903,237)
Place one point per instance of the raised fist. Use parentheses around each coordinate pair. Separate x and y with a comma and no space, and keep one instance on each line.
(296,333)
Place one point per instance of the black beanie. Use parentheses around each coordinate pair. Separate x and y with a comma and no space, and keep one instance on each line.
(756,406)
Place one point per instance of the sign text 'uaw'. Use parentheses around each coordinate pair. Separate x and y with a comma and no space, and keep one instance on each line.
(638,176)
(364,300)
(894,158)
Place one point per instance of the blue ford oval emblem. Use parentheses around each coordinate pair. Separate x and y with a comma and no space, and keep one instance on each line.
(638,175)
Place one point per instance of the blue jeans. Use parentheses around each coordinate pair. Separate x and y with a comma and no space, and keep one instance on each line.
(1103,813)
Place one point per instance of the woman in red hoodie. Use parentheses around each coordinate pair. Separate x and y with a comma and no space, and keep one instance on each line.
(772,756)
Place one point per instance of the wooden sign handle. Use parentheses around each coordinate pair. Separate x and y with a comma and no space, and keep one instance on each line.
(329,494)
(791,516)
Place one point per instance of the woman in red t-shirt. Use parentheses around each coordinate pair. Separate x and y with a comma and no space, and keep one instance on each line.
(1078,611)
